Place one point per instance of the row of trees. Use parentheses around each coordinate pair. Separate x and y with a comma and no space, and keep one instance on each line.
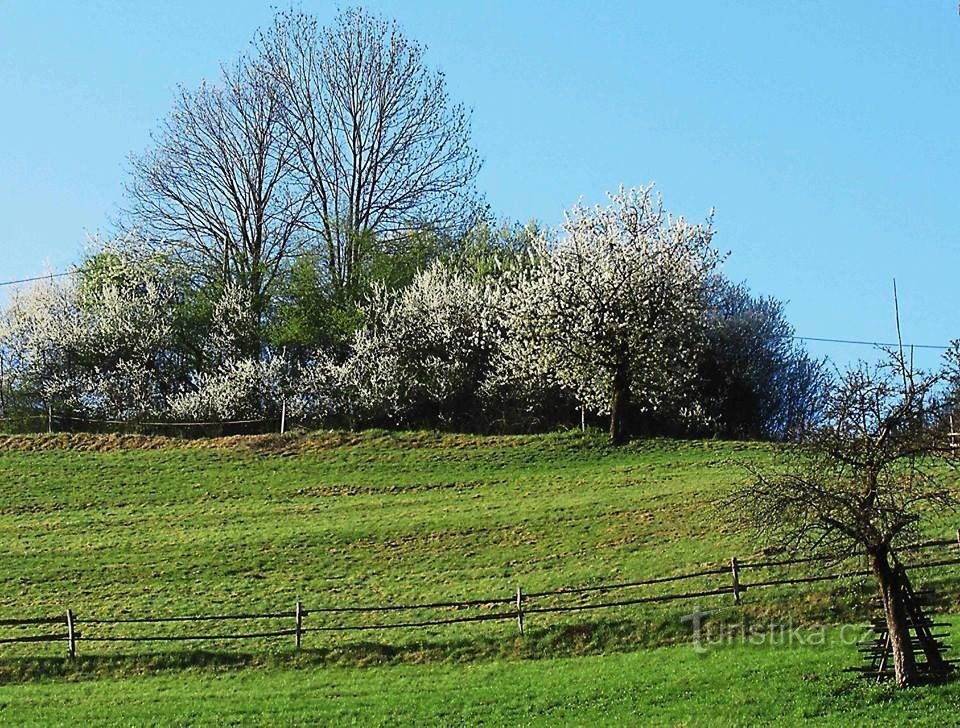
(623,314)
(309,235)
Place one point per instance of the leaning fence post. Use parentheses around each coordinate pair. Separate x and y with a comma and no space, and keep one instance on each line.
(71,636)
(520,609)
(299,630)
(735,574)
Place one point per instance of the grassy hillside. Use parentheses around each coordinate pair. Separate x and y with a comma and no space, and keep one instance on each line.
(113,526)
(106,525)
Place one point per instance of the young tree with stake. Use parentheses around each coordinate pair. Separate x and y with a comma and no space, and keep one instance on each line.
(861,482)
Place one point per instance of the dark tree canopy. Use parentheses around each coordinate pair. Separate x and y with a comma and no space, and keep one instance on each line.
(756,381)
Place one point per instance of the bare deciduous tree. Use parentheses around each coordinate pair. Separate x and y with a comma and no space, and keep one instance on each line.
(861,482)
(218,189)
(383,150)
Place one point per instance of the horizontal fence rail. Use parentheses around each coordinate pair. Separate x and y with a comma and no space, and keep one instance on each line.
(51,422)
(714,582)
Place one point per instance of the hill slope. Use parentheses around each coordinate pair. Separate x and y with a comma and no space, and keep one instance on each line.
(131,526)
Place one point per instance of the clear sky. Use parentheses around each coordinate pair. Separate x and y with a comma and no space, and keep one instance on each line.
(825,134)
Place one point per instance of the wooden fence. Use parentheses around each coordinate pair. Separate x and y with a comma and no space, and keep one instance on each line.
(731,580)
(52,422)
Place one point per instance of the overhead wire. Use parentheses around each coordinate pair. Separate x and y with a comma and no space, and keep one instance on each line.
(38,278)
(817,339)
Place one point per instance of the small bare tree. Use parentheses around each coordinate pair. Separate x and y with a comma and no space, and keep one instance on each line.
(382,149)
(218,189)
(861,482)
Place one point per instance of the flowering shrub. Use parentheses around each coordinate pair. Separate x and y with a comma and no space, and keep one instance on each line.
(424,349)
(99,346)
(239,389)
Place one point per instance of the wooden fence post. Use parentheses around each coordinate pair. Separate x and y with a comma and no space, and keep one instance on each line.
(71,636)
(520,609)
(958,537)
(735,573)
(299,632)
(49,419)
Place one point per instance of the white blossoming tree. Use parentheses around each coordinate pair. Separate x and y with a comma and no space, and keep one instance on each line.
(233,383)
(97,344)
(237,389)
(612,312)
(320,390)
(424,349)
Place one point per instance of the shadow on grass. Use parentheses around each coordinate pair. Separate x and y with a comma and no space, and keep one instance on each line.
(590,638)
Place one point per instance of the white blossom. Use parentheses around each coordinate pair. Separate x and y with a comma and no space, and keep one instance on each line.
(243,388)
(97,346)
(612,311)
(424,348)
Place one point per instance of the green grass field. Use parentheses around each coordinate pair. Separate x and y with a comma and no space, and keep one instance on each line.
(744,685)
(114,526)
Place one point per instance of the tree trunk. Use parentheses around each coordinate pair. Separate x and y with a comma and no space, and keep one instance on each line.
(619,406)
(895,614)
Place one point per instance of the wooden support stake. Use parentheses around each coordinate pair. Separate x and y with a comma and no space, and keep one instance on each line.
(520,609)
(71,637)
(958,537)
(299,632)
(883,659)
(735,573)
(49,419)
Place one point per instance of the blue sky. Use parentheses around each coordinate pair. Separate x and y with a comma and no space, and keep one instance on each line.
(825,134)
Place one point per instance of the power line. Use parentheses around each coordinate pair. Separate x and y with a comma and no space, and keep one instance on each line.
(819,339)
(37,278)
(938,347)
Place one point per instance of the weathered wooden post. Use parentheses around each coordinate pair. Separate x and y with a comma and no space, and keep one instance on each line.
(520,609)
(71,635)
(735,574)
(299,631)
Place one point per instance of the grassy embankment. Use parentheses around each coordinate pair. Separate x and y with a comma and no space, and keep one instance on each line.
(113,526)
